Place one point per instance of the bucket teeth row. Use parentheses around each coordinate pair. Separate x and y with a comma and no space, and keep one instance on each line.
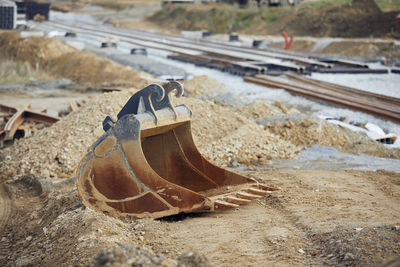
(243,196)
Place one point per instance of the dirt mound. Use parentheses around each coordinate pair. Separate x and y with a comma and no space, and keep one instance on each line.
(63,61)
(306,130)
(225,136)
(35,50)
(88,67)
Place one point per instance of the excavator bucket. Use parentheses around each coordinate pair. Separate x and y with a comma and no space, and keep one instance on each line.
(147,165)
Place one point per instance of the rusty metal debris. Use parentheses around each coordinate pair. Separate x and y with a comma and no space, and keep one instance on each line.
(147,165)
(16,123)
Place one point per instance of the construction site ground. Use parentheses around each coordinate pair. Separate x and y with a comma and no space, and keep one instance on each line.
(318,217)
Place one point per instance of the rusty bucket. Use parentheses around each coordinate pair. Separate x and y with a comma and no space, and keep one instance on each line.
(147,165)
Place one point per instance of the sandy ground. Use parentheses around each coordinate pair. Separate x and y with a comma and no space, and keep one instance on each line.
(318,217)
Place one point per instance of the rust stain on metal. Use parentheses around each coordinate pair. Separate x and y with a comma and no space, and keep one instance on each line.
(17,123)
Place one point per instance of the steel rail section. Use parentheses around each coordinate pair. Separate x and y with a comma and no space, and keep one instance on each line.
(17,118)
(340,88)
(370,104)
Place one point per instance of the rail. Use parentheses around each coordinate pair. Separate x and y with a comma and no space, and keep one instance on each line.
(378,105)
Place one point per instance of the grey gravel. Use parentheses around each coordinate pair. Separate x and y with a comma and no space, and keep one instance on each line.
(140,63)
(127,255)
(36,86)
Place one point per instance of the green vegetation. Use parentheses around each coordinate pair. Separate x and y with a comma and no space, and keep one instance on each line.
(335,18)
(12,72)
(220,19)
(388,5)
(115,5)
(326,2)
(384,5)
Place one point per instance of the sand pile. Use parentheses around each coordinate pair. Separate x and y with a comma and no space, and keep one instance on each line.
(225,136)
(63,61)
(201,85)
(35,50)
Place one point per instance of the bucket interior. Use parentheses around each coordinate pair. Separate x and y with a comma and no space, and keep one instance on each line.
(165,155)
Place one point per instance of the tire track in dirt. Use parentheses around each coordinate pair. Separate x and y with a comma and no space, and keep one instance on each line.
(5,213)
(253,235)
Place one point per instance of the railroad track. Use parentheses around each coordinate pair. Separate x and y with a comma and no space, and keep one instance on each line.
(378,105)
(281,59)
(187,47)
(246,60)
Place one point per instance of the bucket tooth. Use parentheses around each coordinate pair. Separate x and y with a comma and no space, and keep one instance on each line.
(221,205)
(246,195)
(146,164)
(256,191)
(236,200)
(265,187)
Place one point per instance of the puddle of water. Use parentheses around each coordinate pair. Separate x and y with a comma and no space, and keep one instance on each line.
(328,158)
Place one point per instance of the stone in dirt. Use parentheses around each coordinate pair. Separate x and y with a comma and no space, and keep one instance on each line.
(127,255)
